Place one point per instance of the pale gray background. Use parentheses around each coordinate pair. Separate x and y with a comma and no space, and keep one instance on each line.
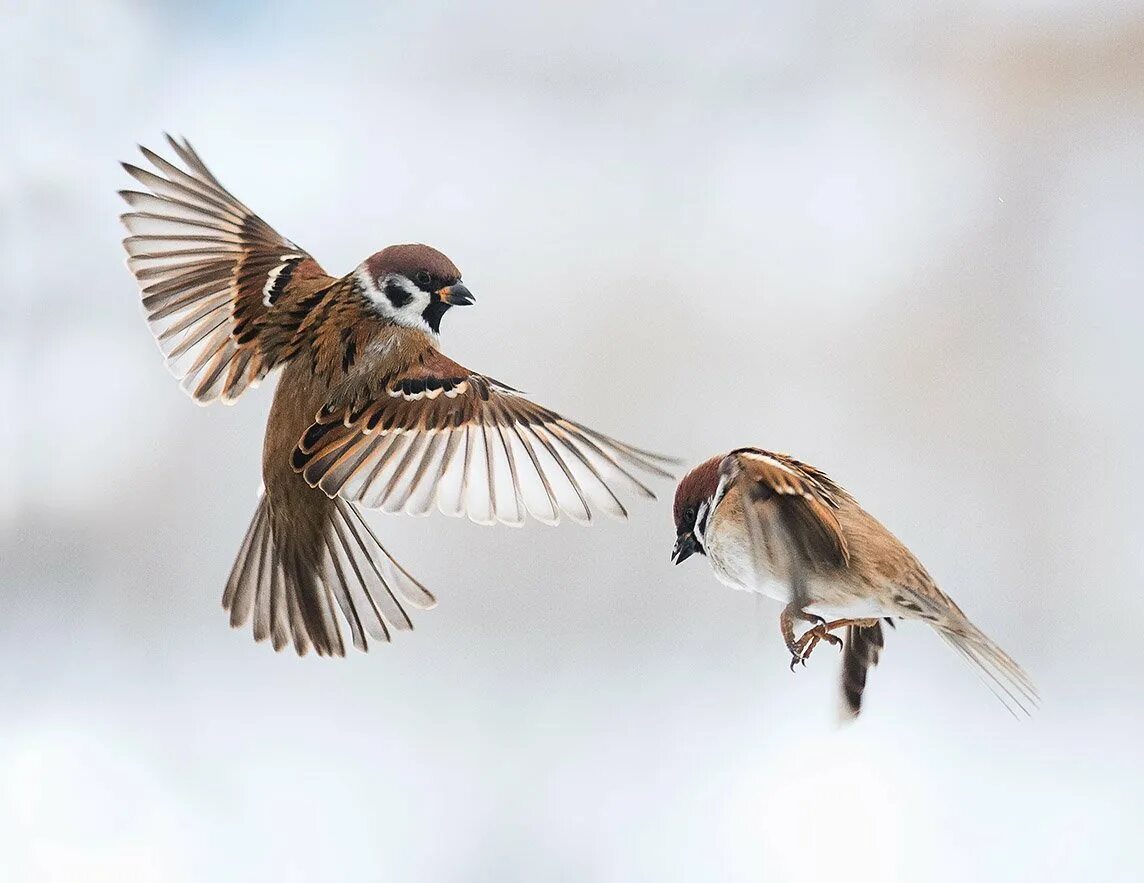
(905,246)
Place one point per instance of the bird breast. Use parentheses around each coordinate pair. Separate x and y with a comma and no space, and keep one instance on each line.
(736,564)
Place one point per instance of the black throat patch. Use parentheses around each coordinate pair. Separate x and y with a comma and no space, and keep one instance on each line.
(432,314)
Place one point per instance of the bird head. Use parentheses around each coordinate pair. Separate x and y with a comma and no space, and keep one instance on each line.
(413,285)
(693,499)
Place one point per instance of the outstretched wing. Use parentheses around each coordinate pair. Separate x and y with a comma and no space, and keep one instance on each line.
(439,434)
(790,510)
(210,271)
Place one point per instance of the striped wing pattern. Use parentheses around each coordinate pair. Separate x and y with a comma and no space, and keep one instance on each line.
(469,446)
(210,271)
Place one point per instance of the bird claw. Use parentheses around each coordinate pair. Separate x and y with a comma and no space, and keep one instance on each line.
(805,645)
(801,649)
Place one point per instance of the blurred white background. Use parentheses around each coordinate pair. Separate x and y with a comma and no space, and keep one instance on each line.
(904,246)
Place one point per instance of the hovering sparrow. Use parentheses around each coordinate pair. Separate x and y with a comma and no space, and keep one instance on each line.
(367,411)
(771,524)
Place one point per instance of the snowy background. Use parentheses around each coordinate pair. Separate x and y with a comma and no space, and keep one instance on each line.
(905,246)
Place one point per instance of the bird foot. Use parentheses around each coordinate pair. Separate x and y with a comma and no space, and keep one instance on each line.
(801,649)
(787,620)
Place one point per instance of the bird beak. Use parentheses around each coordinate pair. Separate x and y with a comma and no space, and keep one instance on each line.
(456,295)
(685,547)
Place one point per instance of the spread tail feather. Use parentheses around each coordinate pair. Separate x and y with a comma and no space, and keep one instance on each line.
(1004,677)
(295,591)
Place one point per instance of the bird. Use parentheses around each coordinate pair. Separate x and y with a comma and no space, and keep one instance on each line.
(770,524)
(367,413)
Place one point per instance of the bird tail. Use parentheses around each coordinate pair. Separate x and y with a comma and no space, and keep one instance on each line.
(295,583)
(1004,677)
(860,653)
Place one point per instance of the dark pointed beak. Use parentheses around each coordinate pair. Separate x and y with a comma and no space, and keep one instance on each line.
(456,295)
(685,546)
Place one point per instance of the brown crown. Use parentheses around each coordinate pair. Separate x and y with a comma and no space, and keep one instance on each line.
(408,260)
(697,485)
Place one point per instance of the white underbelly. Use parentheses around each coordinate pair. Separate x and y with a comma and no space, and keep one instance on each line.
(729,551)
(735,566)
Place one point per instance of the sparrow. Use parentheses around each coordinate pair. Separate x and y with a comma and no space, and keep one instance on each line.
(770,524)
(368,411)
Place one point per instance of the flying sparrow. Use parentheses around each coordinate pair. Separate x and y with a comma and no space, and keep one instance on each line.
(368,411)
(770,524)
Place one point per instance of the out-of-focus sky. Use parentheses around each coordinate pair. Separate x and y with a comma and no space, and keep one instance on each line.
(901,244)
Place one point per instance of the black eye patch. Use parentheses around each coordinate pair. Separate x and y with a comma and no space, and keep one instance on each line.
(397,295)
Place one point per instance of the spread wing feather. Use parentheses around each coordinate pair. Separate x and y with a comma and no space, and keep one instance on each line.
(210,272)
(441,435)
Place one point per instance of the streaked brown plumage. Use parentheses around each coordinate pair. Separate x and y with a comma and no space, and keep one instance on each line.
(771,524)
(367,411)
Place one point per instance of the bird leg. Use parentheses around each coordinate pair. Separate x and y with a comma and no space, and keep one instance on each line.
(797,646)
(801,648)
(792,613)
(821,632)
(857,623)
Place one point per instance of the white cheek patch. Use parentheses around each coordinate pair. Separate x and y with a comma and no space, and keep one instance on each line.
(409,314)
(706,508)
(369,288)
(720,491)
(700,528)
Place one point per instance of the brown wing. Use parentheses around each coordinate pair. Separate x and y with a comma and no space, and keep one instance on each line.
(802,498)
(211,272)
(439,434)
(790,514)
